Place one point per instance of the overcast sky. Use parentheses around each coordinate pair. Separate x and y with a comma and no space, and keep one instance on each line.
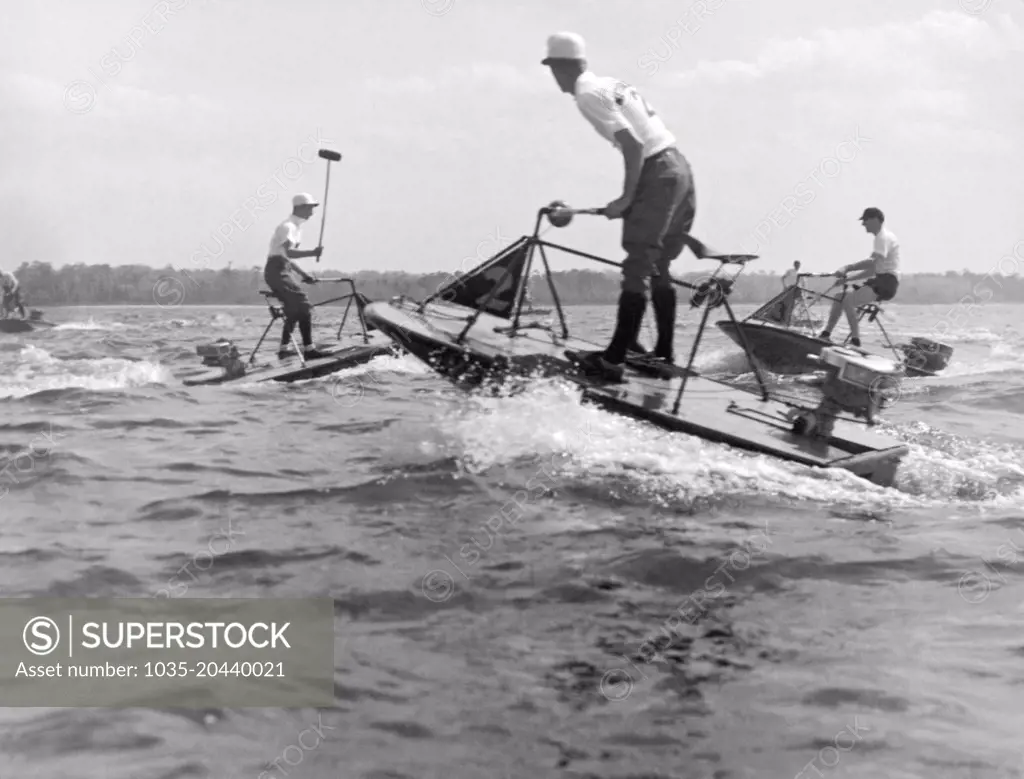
(132,132)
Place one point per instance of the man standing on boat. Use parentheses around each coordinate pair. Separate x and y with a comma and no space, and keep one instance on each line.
(280,272)
(789,284)
(881,269)
(11,293)
(658,202)
(790,278)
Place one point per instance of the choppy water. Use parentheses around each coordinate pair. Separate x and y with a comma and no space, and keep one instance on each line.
(851,631)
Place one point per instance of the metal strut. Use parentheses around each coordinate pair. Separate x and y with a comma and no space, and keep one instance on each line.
(276,313)
(719,297)
(711,301)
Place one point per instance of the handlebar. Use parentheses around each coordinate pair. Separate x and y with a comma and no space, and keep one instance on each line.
(551,208)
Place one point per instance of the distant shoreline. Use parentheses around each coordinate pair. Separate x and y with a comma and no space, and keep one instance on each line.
(141,285)
(611,303)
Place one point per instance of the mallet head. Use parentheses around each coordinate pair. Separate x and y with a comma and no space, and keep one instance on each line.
(559,213)
(327,154)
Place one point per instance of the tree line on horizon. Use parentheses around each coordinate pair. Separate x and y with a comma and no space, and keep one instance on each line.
(75,285)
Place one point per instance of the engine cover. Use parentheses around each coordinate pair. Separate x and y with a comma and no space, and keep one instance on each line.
(219,354)
(860,384)
(856,383)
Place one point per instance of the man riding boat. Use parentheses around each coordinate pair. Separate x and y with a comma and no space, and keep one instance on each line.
(280,272)
(11,294)
(790,282)
(658,203)
(790,278)
(881,269)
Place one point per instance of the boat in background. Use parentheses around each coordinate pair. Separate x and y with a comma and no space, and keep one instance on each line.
(471,332)
(783,333)
(34,321)
(528,307)
(531,311)
(227,364)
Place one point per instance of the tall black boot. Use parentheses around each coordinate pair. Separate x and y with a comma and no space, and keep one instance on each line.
(664,300)
(632,306)
(306,329)
(286,337)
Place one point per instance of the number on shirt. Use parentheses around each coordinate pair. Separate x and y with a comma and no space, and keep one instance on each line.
(622,88)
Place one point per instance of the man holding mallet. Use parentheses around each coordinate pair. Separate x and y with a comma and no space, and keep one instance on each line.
(280,270)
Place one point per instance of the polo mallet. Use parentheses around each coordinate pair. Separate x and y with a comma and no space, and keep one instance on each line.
(560,214)
(330,156)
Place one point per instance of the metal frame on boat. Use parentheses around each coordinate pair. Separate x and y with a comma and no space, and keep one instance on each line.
(785,346)
(225,356)
(276,312)
(461,332)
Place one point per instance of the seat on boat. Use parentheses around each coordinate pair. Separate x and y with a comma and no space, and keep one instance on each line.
(871,311)
(705,252)
(734,259)
(276,312)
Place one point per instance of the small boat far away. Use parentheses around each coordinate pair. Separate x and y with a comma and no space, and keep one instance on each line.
(34,321)
(529,309)
(471,332)
(782,334)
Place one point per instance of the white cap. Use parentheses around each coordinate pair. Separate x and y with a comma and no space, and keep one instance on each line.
(302,199)
(565,46)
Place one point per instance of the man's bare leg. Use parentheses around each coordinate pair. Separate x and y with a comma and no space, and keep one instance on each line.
(860,297)
(833,316)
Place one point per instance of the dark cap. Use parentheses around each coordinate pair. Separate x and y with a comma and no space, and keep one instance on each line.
(873,213)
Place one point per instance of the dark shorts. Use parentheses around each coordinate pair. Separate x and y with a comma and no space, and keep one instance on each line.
(884,286)
(656,224)
(279,278)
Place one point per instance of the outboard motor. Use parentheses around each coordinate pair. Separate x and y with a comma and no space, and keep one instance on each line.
(858,384)
(925,356)
(222,353)
(35,315)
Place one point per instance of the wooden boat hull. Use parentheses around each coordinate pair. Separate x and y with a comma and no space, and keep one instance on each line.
(790,352)
(710,409)
(779,349)
(292,369)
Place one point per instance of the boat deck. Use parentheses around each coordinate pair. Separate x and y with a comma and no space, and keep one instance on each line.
(339,357)
(710,409)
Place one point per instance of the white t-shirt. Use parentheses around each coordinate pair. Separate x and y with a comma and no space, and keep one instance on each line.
(887,246)
(789,278)
(611,105)
(289,230)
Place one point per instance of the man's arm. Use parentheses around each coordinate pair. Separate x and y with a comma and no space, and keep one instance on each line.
(604,114)
(290,243)
(300,254)
(866,268)
(878,251)
(633,155)
(305,276)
